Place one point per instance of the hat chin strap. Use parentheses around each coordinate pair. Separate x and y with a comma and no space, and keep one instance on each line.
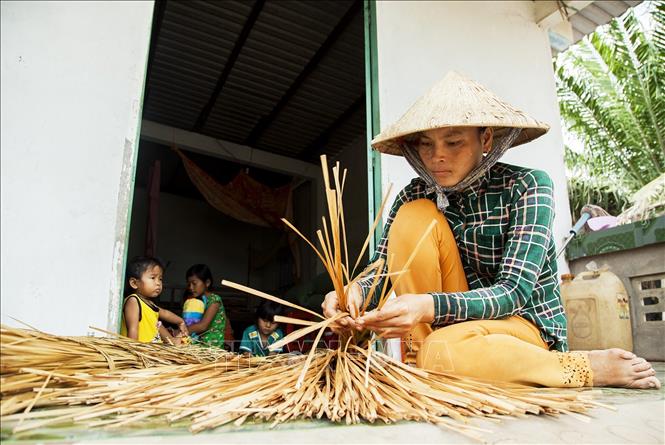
(499,147)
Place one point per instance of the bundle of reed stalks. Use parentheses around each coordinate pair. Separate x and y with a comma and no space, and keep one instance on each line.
(351,384)
(345,385)
(23,349)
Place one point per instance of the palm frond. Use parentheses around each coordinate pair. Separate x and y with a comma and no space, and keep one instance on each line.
(612,99)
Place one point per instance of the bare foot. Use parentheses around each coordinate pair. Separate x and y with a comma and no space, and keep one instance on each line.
(618,368)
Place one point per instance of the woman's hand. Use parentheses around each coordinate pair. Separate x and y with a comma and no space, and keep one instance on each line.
(399,315)
(184,332)
(354,301)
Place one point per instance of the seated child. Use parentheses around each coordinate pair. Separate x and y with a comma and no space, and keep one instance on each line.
(140,316)
(209,329)
(257,337)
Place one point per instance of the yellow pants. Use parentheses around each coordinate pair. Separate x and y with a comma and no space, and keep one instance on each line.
(508,349)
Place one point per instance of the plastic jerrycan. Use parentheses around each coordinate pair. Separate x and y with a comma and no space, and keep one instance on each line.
(596,304)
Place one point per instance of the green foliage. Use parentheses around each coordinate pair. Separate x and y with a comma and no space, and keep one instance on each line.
(581,192)
(612,98)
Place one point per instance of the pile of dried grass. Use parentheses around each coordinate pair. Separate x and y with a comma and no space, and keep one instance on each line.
(350,384)
(25,350)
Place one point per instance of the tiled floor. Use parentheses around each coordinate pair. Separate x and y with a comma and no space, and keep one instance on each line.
(639,419)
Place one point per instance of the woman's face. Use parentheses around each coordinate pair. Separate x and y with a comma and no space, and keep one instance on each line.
(451,153)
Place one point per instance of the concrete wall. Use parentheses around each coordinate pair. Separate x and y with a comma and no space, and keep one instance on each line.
(498,44)
(72,81)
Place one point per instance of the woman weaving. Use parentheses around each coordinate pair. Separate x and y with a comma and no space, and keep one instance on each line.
(481,298)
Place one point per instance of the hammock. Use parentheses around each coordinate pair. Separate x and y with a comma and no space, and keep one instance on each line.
(247,200)
(244,198)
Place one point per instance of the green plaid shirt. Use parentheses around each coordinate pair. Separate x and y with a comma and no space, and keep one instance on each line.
(503,228)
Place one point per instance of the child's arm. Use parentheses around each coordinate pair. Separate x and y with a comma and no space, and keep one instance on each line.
(169,316)
(208,317)
(167,337)
(131,313)
(245,343)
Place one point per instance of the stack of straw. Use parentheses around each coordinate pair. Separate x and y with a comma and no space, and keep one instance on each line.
(350,384)
(25,350)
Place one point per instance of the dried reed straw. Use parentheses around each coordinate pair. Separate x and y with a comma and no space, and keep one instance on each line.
(23,349)
(333,386)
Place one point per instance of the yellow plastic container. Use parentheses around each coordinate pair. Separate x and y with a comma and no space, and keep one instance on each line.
(596,304)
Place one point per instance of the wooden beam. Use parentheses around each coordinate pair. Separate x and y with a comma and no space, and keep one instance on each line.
(242,154)
(230,62)
(341,26)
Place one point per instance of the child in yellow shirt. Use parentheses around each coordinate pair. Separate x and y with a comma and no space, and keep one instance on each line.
(140,316)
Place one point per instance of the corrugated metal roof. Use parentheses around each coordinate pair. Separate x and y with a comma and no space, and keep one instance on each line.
(290,71)
(195,40)
(596,14)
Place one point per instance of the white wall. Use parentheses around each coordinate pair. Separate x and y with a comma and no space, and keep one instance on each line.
(72,81)
(496,43)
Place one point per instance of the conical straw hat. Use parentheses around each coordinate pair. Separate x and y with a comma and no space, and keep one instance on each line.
(457,101)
